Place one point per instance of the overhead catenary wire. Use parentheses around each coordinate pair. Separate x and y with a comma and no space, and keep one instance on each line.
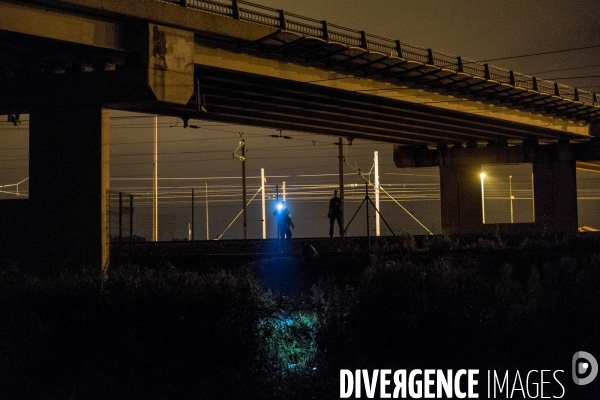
(541,53)
(563,69)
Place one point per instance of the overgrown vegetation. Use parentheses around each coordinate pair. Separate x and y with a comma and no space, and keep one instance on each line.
(163,333)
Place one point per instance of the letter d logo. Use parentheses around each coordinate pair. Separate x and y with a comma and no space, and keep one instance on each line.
(582,367)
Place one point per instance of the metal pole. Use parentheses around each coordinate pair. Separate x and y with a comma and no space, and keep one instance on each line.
(459,217)
(120,217)
(377,221)
(341,174)
(277,216)
(155,184)
(367,208)
(482,199)
(243,143)
(192,213)
(130,220)
(283,190)
(553,204)
(262,188)
(532,198)
(206,202)
(511,198)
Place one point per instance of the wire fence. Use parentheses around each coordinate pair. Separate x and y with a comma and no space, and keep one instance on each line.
(215,212)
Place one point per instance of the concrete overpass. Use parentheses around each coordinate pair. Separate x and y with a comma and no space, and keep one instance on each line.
(66,62)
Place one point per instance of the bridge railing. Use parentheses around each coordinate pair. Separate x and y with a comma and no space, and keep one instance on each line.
(524,81)
(415,53)
(344,35)
(212,7)
(545,87)
(255,13)
(473,68)
(586,97)
(566,92)
(446,61)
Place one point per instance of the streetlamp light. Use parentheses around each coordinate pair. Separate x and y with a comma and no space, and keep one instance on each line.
(482,175)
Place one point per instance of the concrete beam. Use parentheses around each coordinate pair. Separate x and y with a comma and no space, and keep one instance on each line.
(60,26)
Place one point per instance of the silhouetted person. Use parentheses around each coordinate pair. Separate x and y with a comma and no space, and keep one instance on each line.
(284,222)
(335,213)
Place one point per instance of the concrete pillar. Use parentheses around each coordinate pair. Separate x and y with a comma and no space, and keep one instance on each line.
(555,193)
(469,198)
(69,180)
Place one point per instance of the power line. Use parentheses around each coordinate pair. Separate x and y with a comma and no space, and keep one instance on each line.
(573,77)
(541,54)
(563,69)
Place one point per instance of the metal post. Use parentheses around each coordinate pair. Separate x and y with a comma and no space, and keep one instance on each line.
(367,208)
(553,204)
(192,214)
(130,221)
(155,184)
(277,217)
(511,198)
(532,198)
(459,217)
(377,219)
(206,202)
(341,175)
(243,143)
(325,31)
(262,188)
(235,9)
(120,217)
(282,21)
(399,48)
(363,40)
(482,199)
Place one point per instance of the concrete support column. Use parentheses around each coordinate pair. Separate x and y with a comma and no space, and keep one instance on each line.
(69,180)
(555,193)
(469,198)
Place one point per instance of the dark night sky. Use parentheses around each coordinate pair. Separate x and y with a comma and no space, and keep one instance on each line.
(473,29)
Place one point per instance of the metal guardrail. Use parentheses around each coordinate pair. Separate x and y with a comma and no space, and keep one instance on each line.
(255,13)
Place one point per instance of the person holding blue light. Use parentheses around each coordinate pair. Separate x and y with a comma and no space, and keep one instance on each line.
(284,222)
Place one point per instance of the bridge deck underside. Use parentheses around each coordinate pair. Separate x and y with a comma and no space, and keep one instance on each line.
(254,100)
(469,84)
